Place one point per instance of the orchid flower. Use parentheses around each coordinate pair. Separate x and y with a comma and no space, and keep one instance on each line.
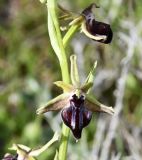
(75,103)
(25,153)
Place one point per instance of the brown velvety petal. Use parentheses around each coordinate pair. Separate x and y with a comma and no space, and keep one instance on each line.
(96,28)
(76,116)
(57,103)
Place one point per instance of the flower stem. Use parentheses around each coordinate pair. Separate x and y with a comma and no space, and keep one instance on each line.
(69,34)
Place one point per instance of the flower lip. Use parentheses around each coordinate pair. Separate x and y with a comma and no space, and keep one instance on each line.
(77,102)
(76,116)
(99,29)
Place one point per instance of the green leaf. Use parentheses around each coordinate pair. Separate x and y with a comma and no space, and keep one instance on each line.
(53,35)
(56,38)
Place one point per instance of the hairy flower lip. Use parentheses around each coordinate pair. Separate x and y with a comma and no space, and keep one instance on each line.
(97,28)
(76,116)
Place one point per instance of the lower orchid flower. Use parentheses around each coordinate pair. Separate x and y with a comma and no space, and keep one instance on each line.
(25,153)
(75,102)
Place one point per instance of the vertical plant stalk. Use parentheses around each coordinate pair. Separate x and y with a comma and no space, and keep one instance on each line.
(59,45)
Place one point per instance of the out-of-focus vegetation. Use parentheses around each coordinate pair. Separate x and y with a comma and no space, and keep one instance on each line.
(28,67)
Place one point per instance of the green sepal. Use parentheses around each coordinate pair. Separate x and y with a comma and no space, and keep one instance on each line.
(56,103)
(90,77)
(66,87)
(95,106)
(74,71)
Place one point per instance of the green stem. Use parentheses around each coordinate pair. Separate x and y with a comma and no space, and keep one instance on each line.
(64,142)
(69,34)
(59,44)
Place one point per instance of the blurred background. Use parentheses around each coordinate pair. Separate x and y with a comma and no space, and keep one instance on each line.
(28,68)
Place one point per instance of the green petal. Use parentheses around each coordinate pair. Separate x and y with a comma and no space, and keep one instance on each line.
(55,104)
(66,87)
(95,106)
(37,152)
(74,71)
(86,87)
(90,77)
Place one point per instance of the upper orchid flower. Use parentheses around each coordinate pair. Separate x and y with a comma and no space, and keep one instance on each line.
(75,103)
(96,30)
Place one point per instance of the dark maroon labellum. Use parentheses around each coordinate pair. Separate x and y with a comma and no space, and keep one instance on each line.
(97,28)
(76,116)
